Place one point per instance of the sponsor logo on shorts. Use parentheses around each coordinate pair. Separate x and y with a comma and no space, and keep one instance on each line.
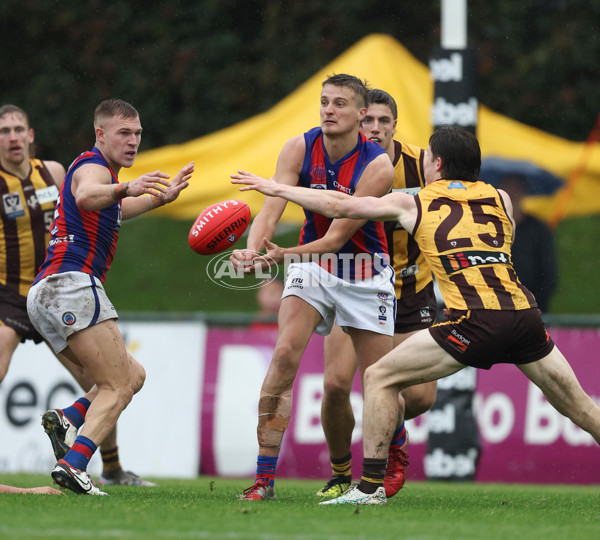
(458,341)
(296,283)
(425,314)
(383,296)
(465,259)
(68,318)
(382,314)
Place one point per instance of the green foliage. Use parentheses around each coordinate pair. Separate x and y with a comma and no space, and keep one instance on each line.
(192,68)
(208,508)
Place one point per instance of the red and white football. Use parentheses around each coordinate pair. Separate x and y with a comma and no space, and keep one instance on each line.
(219,227)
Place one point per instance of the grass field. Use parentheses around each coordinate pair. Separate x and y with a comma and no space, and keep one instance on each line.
(208,508)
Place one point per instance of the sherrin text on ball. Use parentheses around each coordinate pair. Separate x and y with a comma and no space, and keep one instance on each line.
(219,227)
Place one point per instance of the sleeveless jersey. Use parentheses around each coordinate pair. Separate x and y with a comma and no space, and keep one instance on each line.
(465,234)
(412,271)
(80,240)
(319,173)
(27,209)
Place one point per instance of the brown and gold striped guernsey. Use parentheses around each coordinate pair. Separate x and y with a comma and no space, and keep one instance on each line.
(27,209)
(412,271)
(465,234)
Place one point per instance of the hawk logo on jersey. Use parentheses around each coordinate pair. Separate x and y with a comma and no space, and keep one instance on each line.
(454,262)
(13,206)
(32,202)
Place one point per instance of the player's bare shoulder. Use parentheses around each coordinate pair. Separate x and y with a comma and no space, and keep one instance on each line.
(57,171)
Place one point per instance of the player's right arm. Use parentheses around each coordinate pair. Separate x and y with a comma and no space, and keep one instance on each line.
(287,172)
(93,189)
(396,206)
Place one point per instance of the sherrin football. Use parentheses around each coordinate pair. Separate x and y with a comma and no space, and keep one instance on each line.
(219,227)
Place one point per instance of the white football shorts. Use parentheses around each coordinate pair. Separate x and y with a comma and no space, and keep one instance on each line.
(65,303)
(368,304)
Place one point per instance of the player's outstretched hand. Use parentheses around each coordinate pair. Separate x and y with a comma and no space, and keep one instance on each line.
(179,183)
(147,184)
(241,259)
(273,255)
(250,181)
(44,490)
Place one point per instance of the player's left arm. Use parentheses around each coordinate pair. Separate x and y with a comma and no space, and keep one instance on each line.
(157,195)
(509,211)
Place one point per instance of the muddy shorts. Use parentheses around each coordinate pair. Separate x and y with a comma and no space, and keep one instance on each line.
(367,304)
(65,303)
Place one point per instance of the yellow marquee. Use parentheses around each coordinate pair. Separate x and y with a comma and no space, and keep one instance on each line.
(254,144)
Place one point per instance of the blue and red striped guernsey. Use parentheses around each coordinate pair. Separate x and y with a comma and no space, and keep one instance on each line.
(80,240)
(319,173)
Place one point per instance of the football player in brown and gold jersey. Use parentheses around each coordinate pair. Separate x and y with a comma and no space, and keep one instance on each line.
(465,229)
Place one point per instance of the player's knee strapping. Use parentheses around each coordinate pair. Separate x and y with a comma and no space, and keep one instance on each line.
(274,411)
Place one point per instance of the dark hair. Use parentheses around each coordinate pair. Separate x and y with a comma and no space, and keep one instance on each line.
(13,109)
(381,97)
(459,151)
(114,107)
(359,87)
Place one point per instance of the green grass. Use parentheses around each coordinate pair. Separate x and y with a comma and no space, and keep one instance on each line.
(155,270)
(208,508)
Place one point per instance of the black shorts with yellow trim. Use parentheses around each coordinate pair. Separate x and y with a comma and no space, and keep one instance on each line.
(415,312)
(483,337)
(13,313)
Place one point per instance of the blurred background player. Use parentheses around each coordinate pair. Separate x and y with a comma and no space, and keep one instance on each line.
(334,156)
(67,303)
(29,190)
(415,310)
(533,253)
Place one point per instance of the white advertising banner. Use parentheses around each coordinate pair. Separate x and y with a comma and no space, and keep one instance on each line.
(158,434)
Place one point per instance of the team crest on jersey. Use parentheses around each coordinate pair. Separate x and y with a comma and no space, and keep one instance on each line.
(455,184)
(318,177)
(13,205)
(32,202)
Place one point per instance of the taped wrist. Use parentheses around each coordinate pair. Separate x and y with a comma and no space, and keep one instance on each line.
(274,411)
